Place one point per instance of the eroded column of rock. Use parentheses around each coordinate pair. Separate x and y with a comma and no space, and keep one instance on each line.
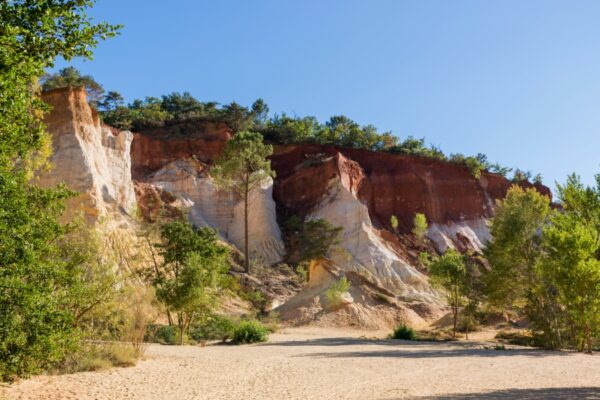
(90,158)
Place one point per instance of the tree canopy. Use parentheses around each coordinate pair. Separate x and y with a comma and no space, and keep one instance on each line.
(36,326)
(71,77)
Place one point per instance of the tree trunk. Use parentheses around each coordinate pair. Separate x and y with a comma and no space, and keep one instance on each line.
(455,312)
(588,339)
(181,324)
(246,250)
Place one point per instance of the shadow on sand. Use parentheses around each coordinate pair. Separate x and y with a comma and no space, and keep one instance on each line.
(581,393)
(412,349)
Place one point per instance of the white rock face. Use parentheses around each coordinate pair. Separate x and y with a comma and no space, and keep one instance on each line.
(365,249)
(224,210)
(91,159)
(472,233)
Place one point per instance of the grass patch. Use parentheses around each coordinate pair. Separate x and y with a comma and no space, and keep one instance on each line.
(99,356)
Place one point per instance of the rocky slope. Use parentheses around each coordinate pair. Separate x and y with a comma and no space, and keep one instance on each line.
(358,190)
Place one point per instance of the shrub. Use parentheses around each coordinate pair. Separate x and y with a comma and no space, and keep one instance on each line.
(254,297)
(420,226)
(163,334)
(215,327)
(404,332)
(250,332)
(335,291)
(98,356)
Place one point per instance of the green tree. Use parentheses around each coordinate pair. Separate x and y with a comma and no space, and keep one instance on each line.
(571,261)
(111,101)
(35,328)
(193,272)
(420,226)
(571,246)
(243,166)
(450,273)
(317,238)
(515,247)
(71,77)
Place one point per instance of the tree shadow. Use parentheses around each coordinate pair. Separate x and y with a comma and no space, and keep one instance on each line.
(437,353)
(579,393)
(414,349)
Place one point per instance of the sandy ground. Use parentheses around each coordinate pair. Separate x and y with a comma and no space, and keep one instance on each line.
(313,363)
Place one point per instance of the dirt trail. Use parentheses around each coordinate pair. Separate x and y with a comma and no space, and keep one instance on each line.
(319,364)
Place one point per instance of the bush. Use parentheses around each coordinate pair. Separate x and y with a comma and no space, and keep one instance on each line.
(94,357)
(163,334)
(404,332)
(250,332)
(335,291)
(255,298)
(216,327)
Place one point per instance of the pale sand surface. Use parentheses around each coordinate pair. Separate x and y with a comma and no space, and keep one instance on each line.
(312,363)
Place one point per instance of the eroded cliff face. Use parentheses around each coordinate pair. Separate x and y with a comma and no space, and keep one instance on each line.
(189,181)
(175,160)
(90,158)
(456,204)
(358,190)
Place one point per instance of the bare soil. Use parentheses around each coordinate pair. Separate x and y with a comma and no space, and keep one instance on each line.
(319,364)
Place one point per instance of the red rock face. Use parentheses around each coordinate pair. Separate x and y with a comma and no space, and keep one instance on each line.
(388,184)
(154,148)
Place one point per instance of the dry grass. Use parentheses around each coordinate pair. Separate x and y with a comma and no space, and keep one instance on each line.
(99,356)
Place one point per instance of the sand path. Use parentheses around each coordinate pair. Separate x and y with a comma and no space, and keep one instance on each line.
(311,364)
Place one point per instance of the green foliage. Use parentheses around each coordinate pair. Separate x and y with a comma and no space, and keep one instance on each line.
(420,226)
(71,77)
(571,259)
(394,222)
(416,147)
(242,167)
(404,332)
(317,238)
(516,245)
(193,273)
(449,272)
(214,327)
(549,262)
(254,297)
(520,176)
(163,334)
(111,101)
(339,130)
(333,295)
(250,331)
(36,330)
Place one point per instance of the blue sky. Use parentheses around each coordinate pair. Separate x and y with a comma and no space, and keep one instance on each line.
(516,80)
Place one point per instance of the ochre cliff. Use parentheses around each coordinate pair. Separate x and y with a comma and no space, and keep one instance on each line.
(359,190)
(91,158)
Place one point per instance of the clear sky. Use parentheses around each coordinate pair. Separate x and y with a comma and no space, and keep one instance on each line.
(516,80)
